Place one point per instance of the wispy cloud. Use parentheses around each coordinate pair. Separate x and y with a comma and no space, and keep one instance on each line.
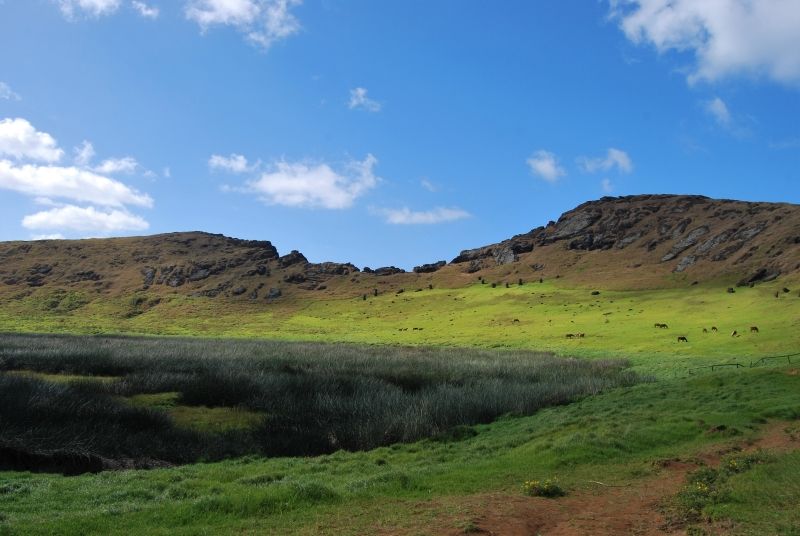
(717,108)
(719,111)
(614,158)
(235,163)
(263,22)
(6,93)
(84,153)
(793,143)
(406,216)
(51,236)
(111,166)
(607,185)
(428,185)
(92,8)
(360,101)
(145,10)
(544,164)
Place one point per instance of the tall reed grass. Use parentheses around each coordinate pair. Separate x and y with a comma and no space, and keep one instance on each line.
(315,398)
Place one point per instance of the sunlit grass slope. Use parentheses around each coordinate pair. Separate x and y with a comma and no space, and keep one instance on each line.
(534,315)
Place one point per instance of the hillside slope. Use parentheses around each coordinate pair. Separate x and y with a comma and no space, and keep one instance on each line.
(626,242)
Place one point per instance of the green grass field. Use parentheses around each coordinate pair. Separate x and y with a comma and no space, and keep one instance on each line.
(617,437)
(613,437)
(616,323)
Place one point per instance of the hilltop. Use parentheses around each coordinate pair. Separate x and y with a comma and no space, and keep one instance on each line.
(646,241)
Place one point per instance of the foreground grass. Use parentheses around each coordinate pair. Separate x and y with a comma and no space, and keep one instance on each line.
(615,322)
(613,437)
(764,500)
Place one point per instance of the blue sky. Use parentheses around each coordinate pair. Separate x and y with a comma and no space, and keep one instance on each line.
(392,132)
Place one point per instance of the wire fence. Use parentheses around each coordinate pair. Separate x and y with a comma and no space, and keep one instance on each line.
(757,363)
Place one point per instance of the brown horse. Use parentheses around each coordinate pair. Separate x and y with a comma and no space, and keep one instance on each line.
(682,339)
(753,329)
(714,329)
(705,330)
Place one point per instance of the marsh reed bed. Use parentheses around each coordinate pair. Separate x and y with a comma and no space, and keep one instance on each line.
(311,398)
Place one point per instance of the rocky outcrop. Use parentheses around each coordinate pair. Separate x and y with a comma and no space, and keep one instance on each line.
(330,269)
(388,270)
(762,275)
(429,268)
(292,258)
(685,243)
(505,252)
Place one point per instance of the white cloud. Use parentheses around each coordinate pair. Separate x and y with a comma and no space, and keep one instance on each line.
(166,173)
(360,101)
(301,184)
(111,166)
(53,236)
(263,22)
(607,185)
(93,8)
(235,163)
(717,108)
(615,158)
(84,154)
(727,37)
(406,216)
(428,185)
(6,93)
(20,140)
(792,143)
(51,184)
(69,183)
(46,201)
(545,165)
(85,219)
(146,11)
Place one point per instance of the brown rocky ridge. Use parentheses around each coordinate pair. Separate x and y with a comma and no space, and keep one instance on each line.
(643,241)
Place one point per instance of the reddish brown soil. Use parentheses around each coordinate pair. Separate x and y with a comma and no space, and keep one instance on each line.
(594,509)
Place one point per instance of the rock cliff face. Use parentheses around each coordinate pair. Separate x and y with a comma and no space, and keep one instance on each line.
(674,231)
(198,264)
(646,240)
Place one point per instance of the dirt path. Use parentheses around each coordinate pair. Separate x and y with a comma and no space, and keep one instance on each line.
(595,509)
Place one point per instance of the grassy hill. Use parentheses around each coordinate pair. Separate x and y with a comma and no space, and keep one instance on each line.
(686,449)
(610,269)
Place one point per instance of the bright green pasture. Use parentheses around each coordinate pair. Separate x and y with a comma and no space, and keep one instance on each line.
(615,323)
(614,437)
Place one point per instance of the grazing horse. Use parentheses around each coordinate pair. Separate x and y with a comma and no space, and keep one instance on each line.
(753,329)
(682,339)
(705,330)
(735,333)
(580,335)
(662,326)
(714,329)
(570,335)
